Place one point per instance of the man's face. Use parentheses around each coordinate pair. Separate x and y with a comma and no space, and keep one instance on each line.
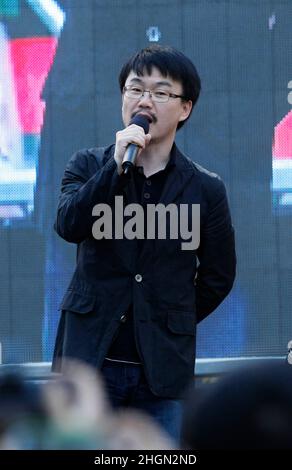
(165,116)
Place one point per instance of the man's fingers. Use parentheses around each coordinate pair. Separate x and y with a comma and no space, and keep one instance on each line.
(147,138)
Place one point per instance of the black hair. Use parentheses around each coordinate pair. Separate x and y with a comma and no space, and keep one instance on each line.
(170,62)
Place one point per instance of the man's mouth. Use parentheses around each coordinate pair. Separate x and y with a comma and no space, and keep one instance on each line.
(149,116)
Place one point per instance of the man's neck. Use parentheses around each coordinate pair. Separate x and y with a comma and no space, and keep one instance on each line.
(154,158)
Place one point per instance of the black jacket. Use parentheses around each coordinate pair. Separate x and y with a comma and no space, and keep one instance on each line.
(174,291)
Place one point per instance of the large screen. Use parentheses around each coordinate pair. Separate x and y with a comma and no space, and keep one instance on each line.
(59,66)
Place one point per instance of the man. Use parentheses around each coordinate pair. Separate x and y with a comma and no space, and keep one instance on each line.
(133,304)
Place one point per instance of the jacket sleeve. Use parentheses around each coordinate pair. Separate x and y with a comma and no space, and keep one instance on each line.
(216,254)
(80,192)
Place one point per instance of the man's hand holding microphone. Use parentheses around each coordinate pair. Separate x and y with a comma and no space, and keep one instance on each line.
(131,141)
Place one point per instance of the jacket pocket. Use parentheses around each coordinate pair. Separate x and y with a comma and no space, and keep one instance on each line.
(78,302)
(182,323)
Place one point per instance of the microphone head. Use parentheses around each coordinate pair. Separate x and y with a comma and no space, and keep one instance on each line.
(142,121)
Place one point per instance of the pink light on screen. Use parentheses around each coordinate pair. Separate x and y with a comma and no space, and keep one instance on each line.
(31,60)
(282,145)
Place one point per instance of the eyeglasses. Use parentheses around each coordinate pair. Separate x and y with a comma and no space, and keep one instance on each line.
(160,96)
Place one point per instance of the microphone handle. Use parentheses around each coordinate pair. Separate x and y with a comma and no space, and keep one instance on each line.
(130,157)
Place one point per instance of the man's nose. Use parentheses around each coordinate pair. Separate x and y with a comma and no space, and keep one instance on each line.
(146,98)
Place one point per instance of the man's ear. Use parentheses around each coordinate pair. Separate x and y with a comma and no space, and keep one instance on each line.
(186,109)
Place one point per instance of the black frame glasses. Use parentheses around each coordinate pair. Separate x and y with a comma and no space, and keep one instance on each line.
(159,96)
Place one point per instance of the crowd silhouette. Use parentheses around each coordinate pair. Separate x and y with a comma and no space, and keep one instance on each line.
(250,408)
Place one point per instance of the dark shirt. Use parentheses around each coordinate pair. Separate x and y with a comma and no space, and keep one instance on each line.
(149,191)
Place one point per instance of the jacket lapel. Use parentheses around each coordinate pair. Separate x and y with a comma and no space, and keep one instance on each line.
(177,179)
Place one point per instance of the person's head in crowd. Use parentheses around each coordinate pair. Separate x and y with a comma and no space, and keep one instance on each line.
(250,408)
(23,414)
(82,418)
(79,413)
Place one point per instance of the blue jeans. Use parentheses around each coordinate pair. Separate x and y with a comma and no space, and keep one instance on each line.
(126,386)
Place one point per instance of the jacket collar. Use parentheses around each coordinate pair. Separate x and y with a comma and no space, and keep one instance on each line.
(178,177)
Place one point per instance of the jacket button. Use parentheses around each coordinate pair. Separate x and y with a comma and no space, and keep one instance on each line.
(138,278)
(123,318)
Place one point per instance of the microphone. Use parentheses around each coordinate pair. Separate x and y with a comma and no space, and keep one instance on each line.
(133,149)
